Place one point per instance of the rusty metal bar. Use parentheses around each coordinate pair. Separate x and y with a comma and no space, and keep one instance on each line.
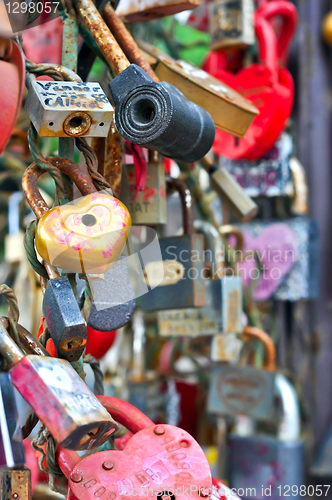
(126,41)
(101,34)
(113,160)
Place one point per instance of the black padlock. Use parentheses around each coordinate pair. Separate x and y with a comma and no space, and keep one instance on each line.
(158,116)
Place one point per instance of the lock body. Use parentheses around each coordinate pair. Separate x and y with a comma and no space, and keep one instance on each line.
(69,109)
(159,117)
(263,463)
(237,390)
(86,236)
(63,402)
(221,314)
(64,320)
(113,298)
(15,483)
(231,24)
(11,444)
(150,205)
(182,285)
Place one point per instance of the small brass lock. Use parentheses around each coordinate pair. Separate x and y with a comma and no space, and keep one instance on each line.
(86,236)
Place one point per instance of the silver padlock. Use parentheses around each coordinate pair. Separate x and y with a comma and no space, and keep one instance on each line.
(69,109)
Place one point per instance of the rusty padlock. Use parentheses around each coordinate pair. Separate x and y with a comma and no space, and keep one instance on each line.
(85,236)
(58,396)
(170,464)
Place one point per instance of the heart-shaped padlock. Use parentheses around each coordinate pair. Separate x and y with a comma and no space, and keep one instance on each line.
(12,83)
(270,89)
(86,236)
(162,461)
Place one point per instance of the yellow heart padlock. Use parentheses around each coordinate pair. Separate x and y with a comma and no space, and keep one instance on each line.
(85,236)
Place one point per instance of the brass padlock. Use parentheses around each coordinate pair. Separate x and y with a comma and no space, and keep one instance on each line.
(83,236)
(15,484)
(149,206)
(230,111)
(69,109)
(231,24)
(133,12)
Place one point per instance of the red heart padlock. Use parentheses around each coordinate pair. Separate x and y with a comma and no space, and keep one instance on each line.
(159,460)
(270,89)
(287,11)
(98,342)
(12,83)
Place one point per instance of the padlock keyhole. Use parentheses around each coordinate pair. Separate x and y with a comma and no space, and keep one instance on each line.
(143,112)
(165,495)
(76,121)
(89,220)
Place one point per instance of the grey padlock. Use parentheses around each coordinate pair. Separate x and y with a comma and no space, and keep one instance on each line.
(64,319)
(113,299)
(11,444)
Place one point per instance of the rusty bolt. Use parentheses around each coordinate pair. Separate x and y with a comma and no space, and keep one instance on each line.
(159,430)
(108,465)
(76,477)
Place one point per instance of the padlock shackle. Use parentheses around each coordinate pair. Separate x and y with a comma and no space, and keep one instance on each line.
(28,342)
(125,413)
(251,332)
(98,29)
(230,230)
(8,348)
(33,172)
(186,203)
(212,236)
(288,12)
(299,204)
(126,41)
(268,49)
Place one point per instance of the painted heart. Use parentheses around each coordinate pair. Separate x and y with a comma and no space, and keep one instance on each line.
(276,251)
(162,462)
(241,390)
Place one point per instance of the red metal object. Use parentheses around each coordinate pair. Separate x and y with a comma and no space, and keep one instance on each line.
(162,458)
(287,11)
(98,343)
(270,88)
(12,83)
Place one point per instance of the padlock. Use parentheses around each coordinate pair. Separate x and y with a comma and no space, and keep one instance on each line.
(265,466)
(223,310)
(58,396)
(113,298)
(14,249)
(270,175)
(64,320)
(158,116)
(137,469)
(11,443)
(287,252)
(239,390)
(327,28)
(230,111)
(85,236)
(144,386)
(15,483)
(12,84)
(231,24)
(147,10)
(230,191)
(69,109)
(181,267)
(270,88)
(148,113)
(149,206)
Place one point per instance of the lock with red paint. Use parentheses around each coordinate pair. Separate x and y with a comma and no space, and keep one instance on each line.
(270,88)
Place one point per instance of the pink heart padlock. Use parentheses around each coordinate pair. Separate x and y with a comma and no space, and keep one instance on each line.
(161,461)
